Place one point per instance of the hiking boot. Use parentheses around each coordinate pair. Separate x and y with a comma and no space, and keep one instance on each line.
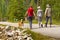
(30,27)
(50,26)
(41,25)
(45,25)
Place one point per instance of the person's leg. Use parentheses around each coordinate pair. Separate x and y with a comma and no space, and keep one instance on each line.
(30,22)
(50,21)
(39,24)
(47,18)
(39,21)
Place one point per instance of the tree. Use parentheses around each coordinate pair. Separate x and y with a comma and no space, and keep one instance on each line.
(20,12)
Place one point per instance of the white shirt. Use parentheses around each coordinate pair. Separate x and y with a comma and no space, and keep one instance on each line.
(39,12)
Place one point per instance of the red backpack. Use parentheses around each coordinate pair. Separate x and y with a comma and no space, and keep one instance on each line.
(30,12)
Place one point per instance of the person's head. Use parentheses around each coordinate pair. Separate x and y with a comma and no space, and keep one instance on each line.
(48,5)
(30,6)
(38,7)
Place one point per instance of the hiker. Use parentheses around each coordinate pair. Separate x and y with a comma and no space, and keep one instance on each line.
(39,15)
(48,15)
(30,13)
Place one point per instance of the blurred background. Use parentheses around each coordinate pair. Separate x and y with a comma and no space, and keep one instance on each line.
(14,10)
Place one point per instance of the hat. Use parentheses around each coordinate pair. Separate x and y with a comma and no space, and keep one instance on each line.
(47,5)
(38,7)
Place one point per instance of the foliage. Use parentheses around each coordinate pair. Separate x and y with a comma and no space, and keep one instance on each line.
(15,9)
(55,5)
(12,9)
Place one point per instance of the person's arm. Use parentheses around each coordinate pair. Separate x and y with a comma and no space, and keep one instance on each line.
(42,13)
(37,13)
(34,14)
(46,11)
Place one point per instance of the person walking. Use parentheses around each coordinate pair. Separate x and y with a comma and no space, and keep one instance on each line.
(39,15)
(48,14)
(30,13)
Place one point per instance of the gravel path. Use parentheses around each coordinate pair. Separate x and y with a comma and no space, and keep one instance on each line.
(54,31)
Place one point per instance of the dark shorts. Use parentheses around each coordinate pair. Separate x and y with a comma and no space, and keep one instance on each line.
(49,18)
(39,19)
(29,18)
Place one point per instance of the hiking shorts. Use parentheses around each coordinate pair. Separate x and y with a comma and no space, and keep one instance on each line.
(39,19)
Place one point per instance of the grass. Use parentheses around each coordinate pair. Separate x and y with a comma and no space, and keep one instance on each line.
(38,36)
(56,22)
